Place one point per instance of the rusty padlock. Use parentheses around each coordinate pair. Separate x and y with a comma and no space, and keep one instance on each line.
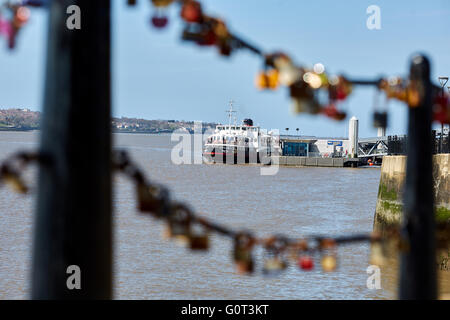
(13,179)
(179,223)
(198,238)
(242,253)
(153,198)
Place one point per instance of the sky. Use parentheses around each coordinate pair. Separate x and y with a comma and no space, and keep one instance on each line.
(157,76)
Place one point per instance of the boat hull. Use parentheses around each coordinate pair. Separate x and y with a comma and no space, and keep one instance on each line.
(233,155)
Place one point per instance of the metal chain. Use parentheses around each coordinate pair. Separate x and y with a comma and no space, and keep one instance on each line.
(193,230)
(154,199)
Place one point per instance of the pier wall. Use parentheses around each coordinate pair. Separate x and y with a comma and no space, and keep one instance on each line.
(390,193)
(291,161)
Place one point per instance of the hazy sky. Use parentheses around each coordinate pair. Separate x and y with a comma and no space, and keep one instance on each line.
(157,76)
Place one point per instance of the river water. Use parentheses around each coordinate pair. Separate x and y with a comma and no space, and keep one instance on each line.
(294,202)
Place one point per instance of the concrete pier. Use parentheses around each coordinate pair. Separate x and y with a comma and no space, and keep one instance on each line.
(292,161)
(390,199)
(389,209)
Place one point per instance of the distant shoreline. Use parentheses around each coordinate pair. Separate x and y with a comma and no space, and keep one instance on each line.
(25,120)
(17,129)
(114,131)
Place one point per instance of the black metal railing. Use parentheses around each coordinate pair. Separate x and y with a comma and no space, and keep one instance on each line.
(440,143)
(396,145)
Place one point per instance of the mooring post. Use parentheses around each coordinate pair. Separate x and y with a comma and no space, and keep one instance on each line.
(418,260)
(73,220)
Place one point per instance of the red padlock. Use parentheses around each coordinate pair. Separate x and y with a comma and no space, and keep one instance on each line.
(159,21)
(441,110)
(192,12)
(306,263)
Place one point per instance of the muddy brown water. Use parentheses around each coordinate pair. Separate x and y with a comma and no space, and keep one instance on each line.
(294,202)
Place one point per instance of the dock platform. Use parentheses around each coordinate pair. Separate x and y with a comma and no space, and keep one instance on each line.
(318,162)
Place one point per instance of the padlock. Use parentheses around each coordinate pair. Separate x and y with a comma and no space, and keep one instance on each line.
(159,20)
(380,119)
(332,112)
(302,105)
(198,238)
(225,49)
(267,80)
(303,98)
(9,31)
(6,28)
(328,263)
(179,224)
(16,183)
(339,88)
(162,3)
(441,109)
(262,81)
(154,199)
(273,265)
(201,34)
(13,180)
(411,95)
(288,72)
(192,12)
(305,262)
(275,261)
(396,88)
(220,29)
(199,242)
(328,251)
(242,253)
(224,40)
(21,16)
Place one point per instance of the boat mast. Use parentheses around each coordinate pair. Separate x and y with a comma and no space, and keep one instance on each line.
(230,115)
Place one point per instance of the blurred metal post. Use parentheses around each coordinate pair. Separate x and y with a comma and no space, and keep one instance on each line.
(73,220)
(418,261)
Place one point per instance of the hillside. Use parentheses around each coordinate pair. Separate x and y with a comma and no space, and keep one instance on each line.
(25,119)
(19,119)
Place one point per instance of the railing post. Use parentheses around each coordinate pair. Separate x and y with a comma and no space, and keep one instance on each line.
(418,260)
(73,219)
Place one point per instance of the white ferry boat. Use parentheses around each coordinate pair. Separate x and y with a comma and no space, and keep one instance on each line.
(243,143)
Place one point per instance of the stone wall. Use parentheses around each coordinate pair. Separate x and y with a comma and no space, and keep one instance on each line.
(310,162)
(390,193)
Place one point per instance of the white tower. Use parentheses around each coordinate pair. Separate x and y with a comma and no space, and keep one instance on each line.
(353,137)
(381,133)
